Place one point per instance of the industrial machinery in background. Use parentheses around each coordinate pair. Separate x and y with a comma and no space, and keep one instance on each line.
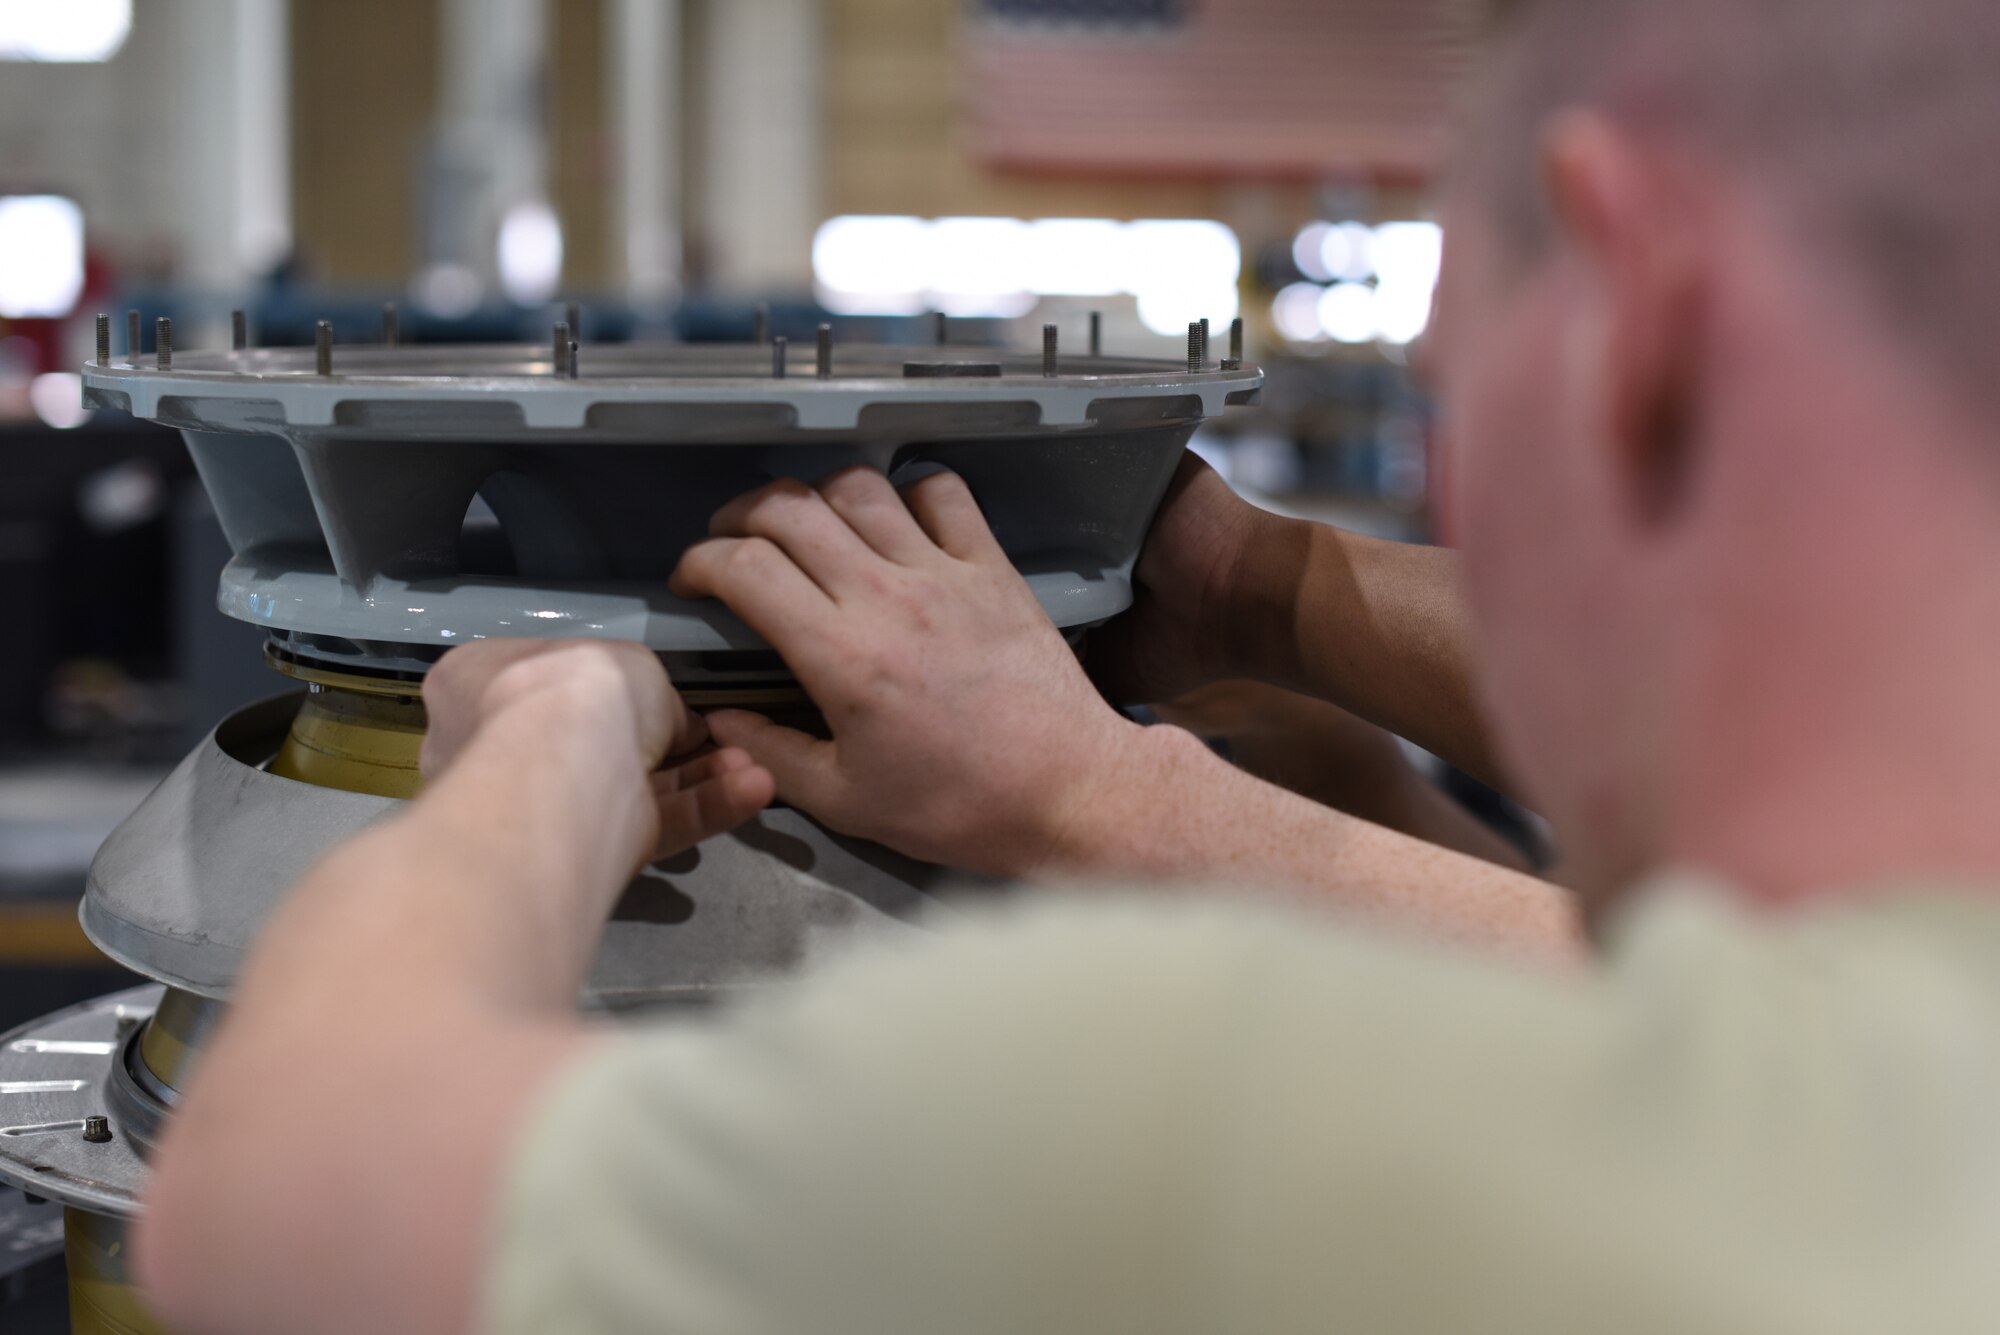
(385,503)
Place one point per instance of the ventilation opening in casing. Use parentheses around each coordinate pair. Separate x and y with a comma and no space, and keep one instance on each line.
(483,548)
(519,526)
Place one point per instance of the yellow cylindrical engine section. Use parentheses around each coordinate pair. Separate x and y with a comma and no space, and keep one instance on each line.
(102,1298)
(357,741)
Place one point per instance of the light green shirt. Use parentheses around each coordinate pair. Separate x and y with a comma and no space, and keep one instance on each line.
(1113,1116)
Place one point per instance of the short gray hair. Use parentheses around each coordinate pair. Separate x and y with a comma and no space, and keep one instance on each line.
(1874,125)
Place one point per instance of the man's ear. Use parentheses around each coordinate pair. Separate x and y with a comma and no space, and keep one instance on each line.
(1615,205)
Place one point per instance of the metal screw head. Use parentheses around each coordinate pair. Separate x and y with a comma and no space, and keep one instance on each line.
(104,340)
(97,1130)
(323,347)
(1097,333)
(574,369)
(778,346)
(1195,357)
(825,351)
(163,343)
(239,330)
(1049,336)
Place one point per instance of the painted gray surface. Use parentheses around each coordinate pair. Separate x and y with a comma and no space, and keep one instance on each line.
(345,498)
(181,889)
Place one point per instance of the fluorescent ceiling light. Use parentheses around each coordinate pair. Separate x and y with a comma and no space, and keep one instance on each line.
(1295,311)
(63,31)
(1347,313)
(999,267)
(1074,257)
(41,256)
(1408,254)
(530,253)
(57,398)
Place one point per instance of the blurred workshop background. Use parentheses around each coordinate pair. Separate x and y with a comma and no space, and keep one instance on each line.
(670,165)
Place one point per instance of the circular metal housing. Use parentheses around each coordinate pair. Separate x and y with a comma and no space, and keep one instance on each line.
(419,497)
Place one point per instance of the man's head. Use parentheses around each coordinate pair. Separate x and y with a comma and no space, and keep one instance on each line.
(1683,234)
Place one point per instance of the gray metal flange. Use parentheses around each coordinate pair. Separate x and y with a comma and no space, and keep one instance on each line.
(345,496)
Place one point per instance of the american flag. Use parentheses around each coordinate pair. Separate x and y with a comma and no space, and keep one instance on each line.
(1246,89)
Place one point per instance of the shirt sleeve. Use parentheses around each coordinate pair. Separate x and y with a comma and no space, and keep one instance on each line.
(1100,1117)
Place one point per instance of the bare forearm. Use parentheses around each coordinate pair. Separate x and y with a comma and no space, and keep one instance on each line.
(537,840)
(1172,810)
(432,963)
(491,888)
(1412,805)
(1380,628)
(1323,752)
(406,1007)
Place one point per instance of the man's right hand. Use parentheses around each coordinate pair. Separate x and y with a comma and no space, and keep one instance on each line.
(963,730)
(1178,636)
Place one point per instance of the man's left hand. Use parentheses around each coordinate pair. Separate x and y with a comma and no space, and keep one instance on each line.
(614,699)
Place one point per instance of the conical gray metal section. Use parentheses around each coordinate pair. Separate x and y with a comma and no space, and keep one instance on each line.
(181,889)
